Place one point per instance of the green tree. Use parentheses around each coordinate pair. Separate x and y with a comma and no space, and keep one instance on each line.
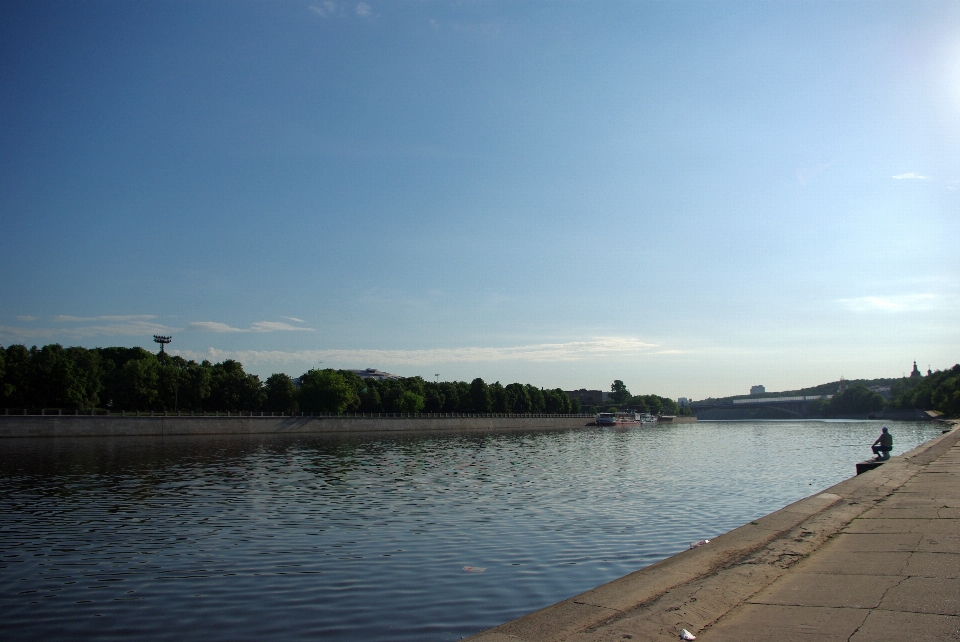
(16,379)
(451,396)
(5,388)
(410,402)
(537,403)
(575,406)
(557,401)
(498,397)
(433,397)
(946,395)
(326,391)
(855,399)
(280,393)
(518,399)
(87,378)
(233,389)
(618,392)
(134,384)
(370,400)
(480,396)
(464,403)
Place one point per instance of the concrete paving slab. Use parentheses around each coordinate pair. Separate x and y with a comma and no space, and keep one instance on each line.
(886,526)
(945,565)
(939,543)
(884,626)
(839,591)
(935,487)
(786,624)
(922,511)
(910,500)
(940,596)
(938,527)
(555,622)
(866,543)
(856,563)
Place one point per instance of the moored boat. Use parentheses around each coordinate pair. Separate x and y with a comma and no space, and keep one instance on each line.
(617,419)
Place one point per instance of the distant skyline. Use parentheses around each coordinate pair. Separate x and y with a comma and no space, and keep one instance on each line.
(692,197)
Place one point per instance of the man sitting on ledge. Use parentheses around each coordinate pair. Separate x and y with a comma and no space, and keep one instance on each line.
(886,445)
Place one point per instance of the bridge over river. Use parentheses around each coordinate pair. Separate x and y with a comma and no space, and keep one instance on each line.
(795,406)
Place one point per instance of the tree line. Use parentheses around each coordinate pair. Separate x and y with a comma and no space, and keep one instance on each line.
(937,391)
(133,379)
(653,404)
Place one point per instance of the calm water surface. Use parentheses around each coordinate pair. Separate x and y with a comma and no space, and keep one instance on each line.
(287,538)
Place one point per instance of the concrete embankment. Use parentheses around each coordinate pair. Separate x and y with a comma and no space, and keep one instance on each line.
(876,557)
(114,426)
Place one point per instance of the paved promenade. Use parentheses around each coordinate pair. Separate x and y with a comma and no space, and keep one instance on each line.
(876,557)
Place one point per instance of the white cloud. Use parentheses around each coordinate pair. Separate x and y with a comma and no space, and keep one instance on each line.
(909,175)
(324,9)
(212,326)
(541,352)
(277,326)
(26,318)
(897,303)
(259,326)
(122,317)
(364,10)
(294,319)
(123,328)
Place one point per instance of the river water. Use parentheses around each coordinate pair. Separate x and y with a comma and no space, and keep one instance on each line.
(395,538)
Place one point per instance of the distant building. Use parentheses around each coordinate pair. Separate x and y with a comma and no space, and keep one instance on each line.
(916,371)
(883,391)
(588,398)
(373,373)
(683,402)
(757,390)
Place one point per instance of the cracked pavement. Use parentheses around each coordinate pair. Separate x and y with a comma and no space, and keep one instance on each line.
(876,557)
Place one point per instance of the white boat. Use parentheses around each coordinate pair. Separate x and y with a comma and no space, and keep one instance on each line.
(617,419)
(606,419)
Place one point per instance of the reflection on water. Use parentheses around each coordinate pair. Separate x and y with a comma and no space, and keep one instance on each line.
(307,537)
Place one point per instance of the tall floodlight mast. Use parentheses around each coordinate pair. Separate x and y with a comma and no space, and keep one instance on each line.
(162,341)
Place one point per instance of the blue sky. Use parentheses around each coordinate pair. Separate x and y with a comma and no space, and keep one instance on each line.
(692,197)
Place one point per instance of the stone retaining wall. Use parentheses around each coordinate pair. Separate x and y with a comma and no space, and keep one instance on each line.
(113,426)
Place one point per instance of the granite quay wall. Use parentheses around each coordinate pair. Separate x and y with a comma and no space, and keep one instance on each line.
(51,425)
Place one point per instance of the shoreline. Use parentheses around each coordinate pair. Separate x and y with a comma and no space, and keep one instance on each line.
(53,426)
(694,589)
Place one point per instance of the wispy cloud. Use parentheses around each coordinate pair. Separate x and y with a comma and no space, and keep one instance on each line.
(122,328)
(540,352)
(66,318)
(910,175)
(26,318)
(259,326)
(212,326)
(896,303)
(324,9)
(329,9)
(294,319)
